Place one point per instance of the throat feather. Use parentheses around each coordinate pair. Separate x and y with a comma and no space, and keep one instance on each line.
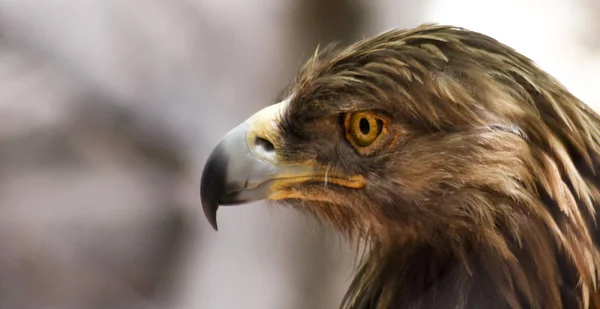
(530,273)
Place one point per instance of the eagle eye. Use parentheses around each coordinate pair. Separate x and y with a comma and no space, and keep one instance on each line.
(363,129)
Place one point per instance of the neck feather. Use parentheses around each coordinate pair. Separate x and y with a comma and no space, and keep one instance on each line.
(498,271)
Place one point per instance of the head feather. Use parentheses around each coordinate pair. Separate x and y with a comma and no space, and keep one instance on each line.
(519,189)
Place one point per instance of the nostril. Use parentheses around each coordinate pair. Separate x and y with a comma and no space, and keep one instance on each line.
(264,144)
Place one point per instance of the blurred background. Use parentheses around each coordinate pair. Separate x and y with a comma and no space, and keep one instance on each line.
(108,110)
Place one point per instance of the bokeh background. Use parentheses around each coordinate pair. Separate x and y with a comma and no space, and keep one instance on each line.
(108,110)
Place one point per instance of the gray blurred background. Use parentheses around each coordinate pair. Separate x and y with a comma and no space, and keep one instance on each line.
(108,110)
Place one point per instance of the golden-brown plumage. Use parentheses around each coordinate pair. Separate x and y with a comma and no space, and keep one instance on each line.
(481,191)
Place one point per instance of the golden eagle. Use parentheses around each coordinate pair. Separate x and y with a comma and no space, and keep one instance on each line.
(470,172)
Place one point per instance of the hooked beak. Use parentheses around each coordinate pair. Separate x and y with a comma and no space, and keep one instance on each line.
(245,167)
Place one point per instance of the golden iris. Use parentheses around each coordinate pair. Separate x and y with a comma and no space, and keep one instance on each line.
(363,128)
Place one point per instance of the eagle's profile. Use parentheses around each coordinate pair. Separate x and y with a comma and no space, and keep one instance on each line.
(472,173)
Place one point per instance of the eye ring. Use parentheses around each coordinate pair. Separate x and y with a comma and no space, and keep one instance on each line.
(364,130)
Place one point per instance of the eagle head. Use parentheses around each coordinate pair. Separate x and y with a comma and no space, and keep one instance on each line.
(468,170)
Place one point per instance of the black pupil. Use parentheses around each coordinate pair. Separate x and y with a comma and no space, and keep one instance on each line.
(364,126)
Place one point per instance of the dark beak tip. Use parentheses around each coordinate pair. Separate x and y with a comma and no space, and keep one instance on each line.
(212,184)
(210,192)
(210,212)
(210,204)
(213,221)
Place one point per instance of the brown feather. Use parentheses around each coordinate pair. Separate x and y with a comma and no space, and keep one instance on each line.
(488,199)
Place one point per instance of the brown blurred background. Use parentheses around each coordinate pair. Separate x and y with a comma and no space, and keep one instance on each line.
(108,110)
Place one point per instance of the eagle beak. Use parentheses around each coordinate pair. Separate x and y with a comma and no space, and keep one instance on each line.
(245,167)
(238,169)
